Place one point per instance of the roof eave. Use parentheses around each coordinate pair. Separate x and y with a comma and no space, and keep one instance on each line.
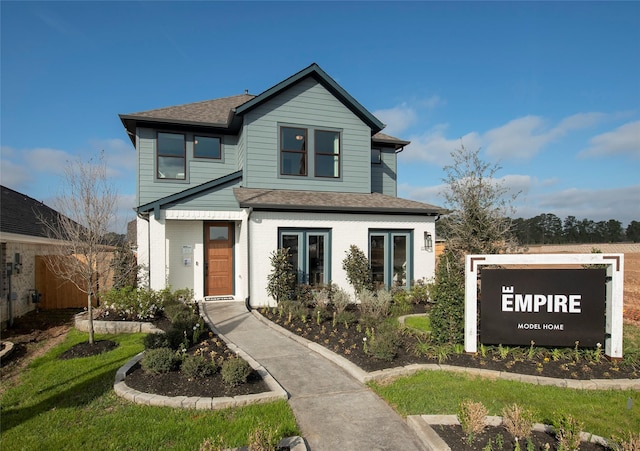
(337,209)
(329,83)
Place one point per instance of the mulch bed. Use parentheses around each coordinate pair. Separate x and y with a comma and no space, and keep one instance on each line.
(348,342)
(86,349)
(457,440)
(176,384)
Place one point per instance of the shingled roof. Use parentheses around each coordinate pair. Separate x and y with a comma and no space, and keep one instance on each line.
(289,200)
(21,214)
(221,113)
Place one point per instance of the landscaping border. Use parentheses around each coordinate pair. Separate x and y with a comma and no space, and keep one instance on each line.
(81,323)
(422,426)
(364,377)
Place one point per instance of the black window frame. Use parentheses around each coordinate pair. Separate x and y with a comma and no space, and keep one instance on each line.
(160,155)
(195,144)
(333,154)
(304,152)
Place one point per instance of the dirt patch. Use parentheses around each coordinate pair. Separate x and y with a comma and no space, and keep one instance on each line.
(33,334)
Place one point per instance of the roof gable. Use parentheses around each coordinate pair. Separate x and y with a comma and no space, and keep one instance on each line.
(325,80)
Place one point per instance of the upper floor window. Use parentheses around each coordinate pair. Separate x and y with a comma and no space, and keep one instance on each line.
(207,147)
(171,156)
(293,151)
(376,156)
(327,150)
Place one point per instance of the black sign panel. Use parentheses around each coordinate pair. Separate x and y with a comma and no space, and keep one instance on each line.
(552,307)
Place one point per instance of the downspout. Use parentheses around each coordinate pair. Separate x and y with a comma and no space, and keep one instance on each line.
(247,301)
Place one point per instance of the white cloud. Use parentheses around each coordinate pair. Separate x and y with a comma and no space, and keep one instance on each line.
(598,205)
(120,156)
(433,147)
(519,138)
(14,175)
(623,140)
(397,119)
(51,161)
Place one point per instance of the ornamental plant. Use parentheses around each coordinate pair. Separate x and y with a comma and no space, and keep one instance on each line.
(235,371)
(447,315)
(282,279)
(356,265)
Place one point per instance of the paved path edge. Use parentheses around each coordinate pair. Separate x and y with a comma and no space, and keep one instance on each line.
(364,377)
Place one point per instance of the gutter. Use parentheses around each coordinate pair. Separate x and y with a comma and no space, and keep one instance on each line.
(247,301)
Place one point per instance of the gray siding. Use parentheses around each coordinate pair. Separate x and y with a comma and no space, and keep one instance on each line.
(222,199)
(198,170)
(306,104)
(384,175)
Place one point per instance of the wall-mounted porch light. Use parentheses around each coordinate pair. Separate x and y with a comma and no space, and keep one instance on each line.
(428,242)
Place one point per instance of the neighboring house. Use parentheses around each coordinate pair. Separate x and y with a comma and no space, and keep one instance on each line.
(223,183)
(22,238)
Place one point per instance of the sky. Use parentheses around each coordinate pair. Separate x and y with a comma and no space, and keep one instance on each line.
(548,91)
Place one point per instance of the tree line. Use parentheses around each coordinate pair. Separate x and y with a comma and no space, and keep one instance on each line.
(548,228)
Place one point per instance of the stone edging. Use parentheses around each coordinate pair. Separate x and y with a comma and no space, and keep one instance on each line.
(114,327)
(193,402)
(8,349)
(421,425)
(363,376)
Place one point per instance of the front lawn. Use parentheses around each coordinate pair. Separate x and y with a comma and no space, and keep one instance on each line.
(70,404)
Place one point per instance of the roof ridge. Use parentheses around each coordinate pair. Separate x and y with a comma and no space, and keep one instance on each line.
(171,107)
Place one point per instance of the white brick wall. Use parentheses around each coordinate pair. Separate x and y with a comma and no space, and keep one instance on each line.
(346,229)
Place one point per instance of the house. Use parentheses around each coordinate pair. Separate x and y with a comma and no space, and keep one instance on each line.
(23,239)
(223,183)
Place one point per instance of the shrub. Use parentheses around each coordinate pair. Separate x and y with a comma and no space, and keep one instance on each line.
(159,361)
(340,300)
(303,293)
(421,292)
(235,371)
(356,265)
(472,416)
(400,303)
(375,305)
(134,304)
(447,314)
(153,341)
(517,421)
(567,430)
(197,367)
(282,279)
(383,343)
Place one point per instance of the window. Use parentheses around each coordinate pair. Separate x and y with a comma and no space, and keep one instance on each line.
(308,254)
(327,149)
(390,258)
(171,161)
(293,151)
(207,147)
(376,156)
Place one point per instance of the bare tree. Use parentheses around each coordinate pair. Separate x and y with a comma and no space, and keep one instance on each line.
(86,206)
(480,204)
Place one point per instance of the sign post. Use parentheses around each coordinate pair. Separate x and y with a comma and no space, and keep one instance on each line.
(552,307)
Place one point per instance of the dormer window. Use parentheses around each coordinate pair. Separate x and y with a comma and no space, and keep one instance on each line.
(171,156)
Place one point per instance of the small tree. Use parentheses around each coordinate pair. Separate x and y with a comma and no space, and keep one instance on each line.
(358,269)
(282,279)
(125,267)
(481,207)
(86,206)
(447,314)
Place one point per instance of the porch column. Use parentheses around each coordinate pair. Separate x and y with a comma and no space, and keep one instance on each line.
(157,253)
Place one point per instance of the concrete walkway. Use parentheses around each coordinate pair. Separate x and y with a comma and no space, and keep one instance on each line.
(333,410)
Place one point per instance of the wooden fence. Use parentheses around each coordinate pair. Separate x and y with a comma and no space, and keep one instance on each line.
(57,293)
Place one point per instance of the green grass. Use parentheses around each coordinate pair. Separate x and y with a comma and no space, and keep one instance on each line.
(604,412)
(422,323)
(70,404)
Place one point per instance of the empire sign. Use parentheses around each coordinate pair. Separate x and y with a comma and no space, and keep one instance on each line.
(551,307)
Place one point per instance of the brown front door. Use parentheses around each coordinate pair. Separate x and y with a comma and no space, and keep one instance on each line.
(218,267)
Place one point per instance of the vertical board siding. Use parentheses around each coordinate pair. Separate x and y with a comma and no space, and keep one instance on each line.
(307,104)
